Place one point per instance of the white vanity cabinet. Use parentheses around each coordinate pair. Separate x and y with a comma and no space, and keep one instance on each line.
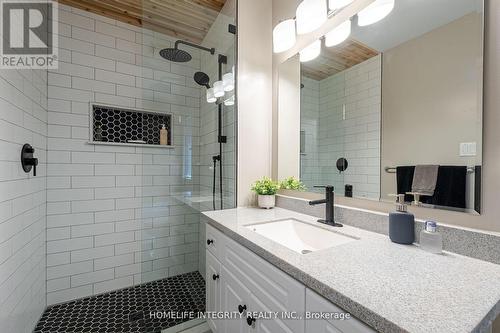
(239,281)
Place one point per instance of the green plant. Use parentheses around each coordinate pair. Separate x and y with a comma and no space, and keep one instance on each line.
(292,183)
(265,186)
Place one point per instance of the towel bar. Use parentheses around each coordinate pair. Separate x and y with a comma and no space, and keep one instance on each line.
(393,169)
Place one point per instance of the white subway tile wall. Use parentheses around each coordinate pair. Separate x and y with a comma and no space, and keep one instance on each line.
(23,119)
(347,124)
(114,217)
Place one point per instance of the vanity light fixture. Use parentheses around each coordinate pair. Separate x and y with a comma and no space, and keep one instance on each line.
(284,36)
(310,15)
(210,96)
(375,12)
(218,89)
(228,81)
(334,5)
(310,52)
(339,34)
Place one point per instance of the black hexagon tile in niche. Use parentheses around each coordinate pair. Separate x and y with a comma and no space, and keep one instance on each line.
(122,125)
(127,310)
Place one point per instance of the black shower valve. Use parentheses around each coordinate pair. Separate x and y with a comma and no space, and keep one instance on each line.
(28,162)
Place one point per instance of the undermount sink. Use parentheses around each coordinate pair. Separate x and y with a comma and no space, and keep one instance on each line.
(299,236)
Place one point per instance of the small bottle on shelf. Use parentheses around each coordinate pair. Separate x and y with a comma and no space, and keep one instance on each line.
(430,239)
(163,135)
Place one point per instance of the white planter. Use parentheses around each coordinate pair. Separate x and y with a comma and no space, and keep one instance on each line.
(266,201)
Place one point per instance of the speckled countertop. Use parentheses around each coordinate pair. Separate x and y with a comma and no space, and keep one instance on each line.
(391,287)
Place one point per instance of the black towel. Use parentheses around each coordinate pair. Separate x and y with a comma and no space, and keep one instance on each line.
(450,185)
(404,179)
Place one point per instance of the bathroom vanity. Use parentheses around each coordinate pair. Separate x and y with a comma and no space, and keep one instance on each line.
(239,280)
(252,269)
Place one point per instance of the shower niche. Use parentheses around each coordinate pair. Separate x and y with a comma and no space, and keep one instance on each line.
(122,126)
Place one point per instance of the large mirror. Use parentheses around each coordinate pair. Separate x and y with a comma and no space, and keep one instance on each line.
(396,108)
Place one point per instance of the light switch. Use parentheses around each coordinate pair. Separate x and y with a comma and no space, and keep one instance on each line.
(468,149)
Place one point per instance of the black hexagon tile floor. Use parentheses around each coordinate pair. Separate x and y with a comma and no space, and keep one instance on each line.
(128,310)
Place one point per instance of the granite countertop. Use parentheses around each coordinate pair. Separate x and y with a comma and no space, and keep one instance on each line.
(391,287)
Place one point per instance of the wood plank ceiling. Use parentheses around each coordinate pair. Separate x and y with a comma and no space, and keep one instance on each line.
(183,19)
(333,60)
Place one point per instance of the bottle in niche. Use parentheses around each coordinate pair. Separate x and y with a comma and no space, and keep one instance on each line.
(98,133)
(430,239)
(163,135)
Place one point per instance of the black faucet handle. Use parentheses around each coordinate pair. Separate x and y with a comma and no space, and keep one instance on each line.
(28,162)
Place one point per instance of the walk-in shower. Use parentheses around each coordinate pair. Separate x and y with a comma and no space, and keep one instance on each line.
(108,229)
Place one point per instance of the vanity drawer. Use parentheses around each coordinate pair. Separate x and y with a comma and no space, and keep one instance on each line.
(214,241)
(317,304)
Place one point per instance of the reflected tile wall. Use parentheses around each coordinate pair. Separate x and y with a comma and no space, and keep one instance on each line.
(348,125)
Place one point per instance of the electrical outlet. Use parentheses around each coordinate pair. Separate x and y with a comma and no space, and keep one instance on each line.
(468,149)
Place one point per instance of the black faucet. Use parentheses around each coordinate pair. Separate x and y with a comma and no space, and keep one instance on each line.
(329,208)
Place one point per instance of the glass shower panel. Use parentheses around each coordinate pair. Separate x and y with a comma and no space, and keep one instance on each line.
(176,180)
(168,234)
(218,120)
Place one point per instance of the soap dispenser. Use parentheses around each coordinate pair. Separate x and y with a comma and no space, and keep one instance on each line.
(401,223)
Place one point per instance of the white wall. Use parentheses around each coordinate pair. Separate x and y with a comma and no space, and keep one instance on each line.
(23,119)
(255,87)
(113,217)
(289,119)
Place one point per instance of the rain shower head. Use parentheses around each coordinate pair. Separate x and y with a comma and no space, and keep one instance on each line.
(177,55)
(202,79)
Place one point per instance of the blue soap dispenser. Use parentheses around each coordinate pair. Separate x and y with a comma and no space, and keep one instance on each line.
(401,223)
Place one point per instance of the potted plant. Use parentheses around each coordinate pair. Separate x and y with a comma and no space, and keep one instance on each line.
(292,183)
(266,190)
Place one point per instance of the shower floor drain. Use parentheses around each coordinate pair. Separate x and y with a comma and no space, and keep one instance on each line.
(128,310)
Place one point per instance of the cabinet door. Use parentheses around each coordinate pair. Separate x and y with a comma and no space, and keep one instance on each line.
(212,281)
(271,325)
(270,286)
(235,298)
